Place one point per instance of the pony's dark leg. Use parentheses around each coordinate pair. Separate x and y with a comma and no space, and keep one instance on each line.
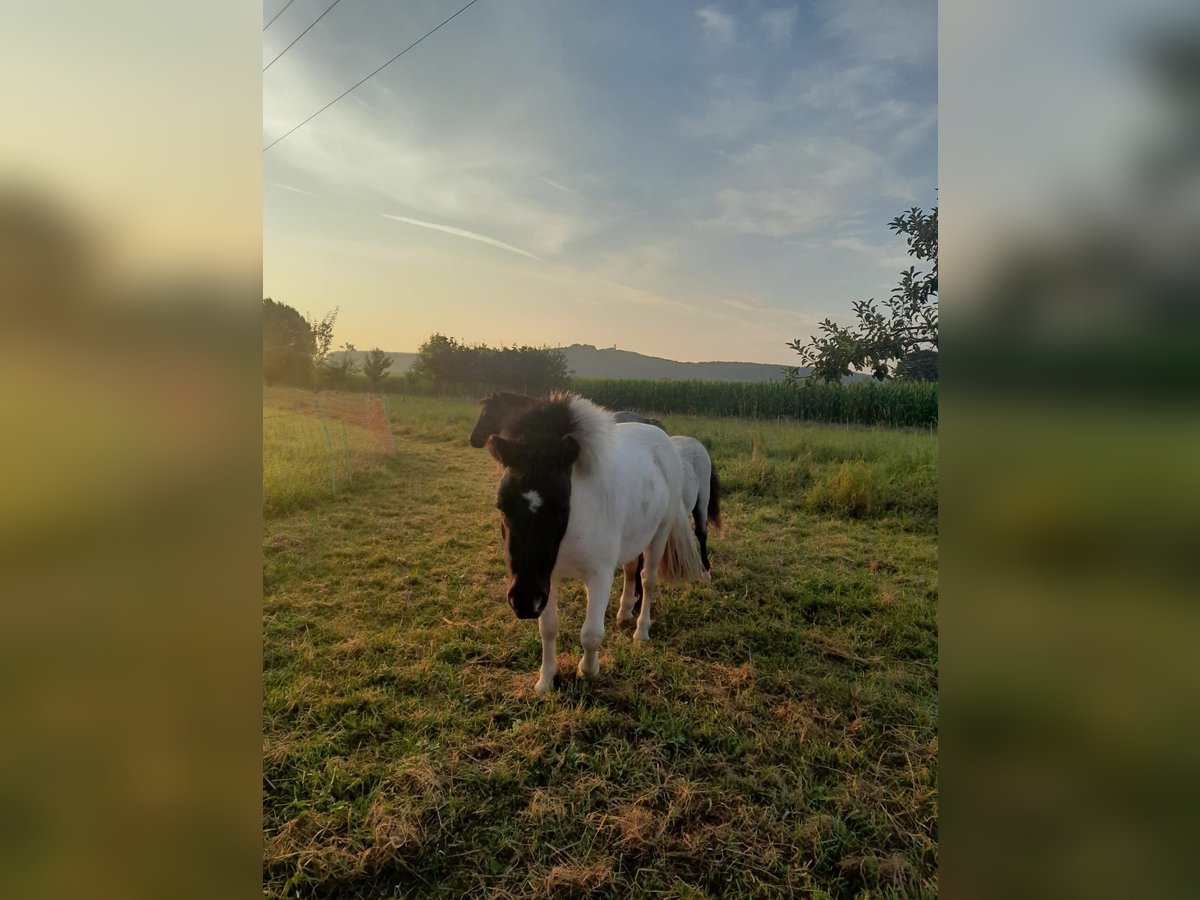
(637,584)
(702,535)
(629,591)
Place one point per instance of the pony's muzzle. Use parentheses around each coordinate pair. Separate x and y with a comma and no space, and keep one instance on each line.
(526,605)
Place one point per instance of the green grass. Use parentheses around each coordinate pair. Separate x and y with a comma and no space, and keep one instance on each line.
(776,737)
(307,458)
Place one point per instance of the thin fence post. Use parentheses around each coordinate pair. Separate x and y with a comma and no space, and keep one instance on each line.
(387,422)
(329,454)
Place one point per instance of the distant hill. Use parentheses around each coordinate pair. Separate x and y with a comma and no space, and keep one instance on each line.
(587,361)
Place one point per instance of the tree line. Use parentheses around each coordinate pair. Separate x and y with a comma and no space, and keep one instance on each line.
(449,365)
(296,352)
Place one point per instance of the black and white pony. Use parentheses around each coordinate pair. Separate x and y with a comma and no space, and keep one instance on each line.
(581,495)
(701,488)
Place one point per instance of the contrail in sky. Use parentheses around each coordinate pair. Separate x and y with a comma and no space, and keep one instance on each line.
(460,232)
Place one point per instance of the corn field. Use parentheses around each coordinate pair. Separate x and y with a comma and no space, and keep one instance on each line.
(903,404)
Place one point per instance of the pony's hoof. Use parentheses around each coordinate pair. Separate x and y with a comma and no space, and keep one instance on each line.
(641,636)
(543,686)
(585,672)
(706,575)
(626,620)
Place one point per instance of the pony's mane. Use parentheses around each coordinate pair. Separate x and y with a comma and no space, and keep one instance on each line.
(593,428)
(562,414)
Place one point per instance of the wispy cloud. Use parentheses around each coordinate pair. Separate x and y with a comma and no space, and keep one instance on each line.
(463,233)
(719,26)
(288,187)
(556,185)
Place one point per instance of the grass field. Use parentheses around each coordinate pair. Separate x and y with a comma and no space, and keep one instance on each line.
(776,737)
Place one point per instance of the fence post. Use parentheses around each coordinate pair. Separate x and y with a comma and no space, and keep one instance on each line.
(329,451)
(329,444)
(387,422)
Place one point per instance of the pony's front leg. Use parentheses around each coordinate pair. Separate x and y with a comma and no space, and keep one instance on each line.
(548,629)
(598,588)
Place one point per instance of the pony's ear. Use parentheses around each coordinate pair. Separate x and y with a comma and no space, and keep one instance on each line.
(568,451)
(504,451)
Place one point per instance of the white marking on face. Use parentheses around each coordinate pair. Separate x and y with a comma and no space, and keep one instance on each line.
(535,500)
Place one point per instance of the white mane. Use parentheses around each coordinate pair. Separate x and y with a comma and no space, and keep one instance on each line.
(593,430)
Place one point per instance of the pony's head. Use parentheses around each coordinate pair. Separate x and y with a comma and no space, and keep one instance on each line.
(494,411)
(539,451)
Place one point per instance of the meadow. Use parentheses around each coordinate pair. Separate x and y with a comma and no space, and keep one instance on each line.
(776,737)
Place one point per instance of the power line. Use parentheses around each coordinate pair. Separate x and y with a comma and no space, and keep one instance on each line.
(302,34)
(278,14)
(372,75)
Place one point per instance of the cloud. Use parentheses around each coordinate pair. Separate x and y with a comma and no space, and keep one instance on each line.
(773,213)
(778,23)
(797,186)
(463,233)
(456,155)
(884,256)
(718,26)
(288,187)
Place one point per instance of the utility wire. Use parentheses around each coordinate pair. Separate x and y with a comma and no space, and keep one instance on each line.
(372,75)
(278,14)
(302,34)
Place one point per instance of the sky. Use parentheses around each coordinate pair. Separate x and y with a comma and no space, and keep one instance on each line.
(698,181)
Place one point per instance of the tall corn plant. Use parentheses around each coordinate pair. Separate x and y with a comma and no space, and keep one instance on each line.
(897,404)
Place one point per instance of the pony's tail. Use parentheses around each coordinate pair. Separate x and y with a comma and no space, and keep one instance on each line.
(681,558)
(714,498)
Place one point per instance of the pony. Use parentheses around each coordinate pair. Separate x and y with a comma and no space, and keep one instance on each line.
(625,416)
(495,411)
(701,495)
(702,488)
(579,496)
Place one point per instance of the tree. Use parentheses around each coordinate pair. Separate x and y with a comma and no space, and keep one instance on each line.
(289,344)
(907,324)
(375,366)
(323,340)
(920,365)
(339,372)
(439,361)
